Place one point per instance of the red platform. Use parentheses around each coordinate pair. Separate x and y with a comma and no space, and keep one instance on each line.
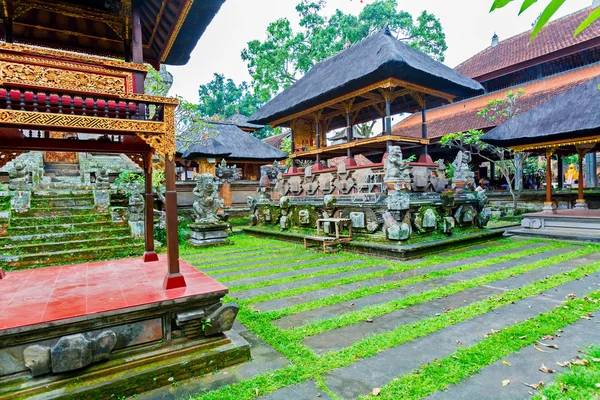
(54,293)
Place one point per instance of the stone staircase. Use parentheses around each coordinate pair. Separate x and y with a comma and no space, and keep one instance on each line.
(62,227)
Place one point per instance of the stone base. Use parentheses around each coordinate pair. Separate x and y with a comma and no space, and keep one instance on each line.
(174,281)
(131,372)
(208,234)
(549,208)
(2,274)
(581,205)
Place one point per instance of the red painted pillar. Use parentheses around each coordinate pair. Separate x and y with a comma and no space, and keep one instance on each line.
(149,254)
(2,274)
(173,279)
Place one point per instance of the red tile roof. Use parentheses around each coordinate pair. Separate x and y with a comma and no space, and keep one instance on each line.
(556,36)
(462,116)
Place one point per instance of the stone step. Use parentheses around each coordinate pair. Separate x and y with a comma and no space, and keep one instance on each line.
(58,228)
(71,256)
(42,202)
(59,211)
(59,220)
(79,242)
(118,230)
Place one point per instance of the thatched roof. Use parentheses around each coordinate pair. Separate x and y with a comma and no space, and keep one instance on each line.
(569,115)
(234,144)
(242,122)
(276,140)
(376,58)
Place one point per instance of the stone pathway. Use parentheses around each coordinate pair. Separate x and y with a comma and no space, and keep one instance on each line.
(320,306)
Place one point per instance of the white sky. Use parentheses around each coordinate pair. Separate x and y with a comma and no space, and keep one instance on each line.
(468,25)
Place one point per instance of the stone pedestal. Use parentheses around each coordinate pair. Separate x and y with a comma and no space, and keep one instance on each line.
(581,205)
(549,208)
(20,201)
(137,228)
(208,234)
(102,199)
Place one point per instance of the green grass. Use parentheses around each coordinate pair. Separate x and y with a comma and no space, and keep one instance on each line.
(579,382)
(305,364)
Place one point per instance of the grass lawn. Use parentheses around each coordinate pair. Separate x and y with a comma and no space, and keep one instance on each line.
(317,296)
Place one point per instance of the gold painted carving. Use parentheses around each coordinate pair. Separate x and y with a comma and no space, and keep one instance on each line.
(30,119)
(7,156)
(139,159)
(69,56)
(304,134)
(163,144)
(54,78)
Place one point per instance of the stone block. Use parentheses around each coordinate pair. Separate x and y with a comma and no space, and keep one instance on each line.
(304,217)
(137,228)
(37,359)
(222,319)
(429,219)
(398,231)
(358,220)
(448,224)
(70,353)
(531,223)
(102,199)
(102,345)
(284,222)
(20,201)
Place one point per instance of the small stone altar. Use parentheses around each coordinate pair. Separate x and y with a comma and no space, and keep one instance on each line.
(209,226)
(20,187)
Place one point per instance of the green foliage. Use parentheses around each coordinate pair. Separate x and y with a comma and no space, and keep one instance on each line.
(278,61)
(129,182)
(286,145)
(551,8)
(222,97)
(5,203)
(183,233)
(506,159)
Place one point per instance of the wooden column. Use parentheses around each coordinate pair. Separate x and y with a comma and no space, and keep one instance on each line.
(318,139)
(149,253)
(388,116)
(560,171)
(580,202)
(349,137)
(492,171)
(136,48)
(8,30)
(173,279)
(424,128)
(548,204)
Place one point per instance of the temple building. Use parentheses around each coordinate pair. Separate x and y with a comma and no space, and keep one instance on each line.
(549,65)
(72,82)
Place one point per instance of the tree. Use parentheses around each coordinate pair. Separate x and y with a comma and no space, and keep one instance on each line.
(551,9)
(223,97)
(507,160)
(285,55)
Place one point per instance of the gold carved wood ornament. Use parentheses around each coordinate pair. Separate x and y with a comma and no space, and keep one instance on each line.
(55,78)
(7,156)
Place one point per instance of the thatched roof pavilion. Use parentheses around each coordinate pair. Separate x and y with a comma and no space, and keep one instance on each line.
(233,145)
(568,123)
(241,121)
(568,119)
(372,79)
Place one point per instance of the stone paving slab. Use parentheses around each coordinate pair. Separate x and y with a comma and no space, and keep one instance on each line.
(258,267)
(384,297)
(210,257)
(304,282)
(289,274)
(305,297)
(264,359)
(524,367)
(302,391)
(263,259)
(362,376)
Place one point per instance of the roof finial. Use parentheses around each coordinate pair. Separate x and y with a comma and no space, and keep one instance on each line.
(495,40)
(387,29)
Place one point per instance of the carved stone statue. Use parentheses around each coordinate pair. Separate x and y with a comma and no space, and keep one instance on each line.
(208,204)
(395,168)
(136,207)
(226,172)
(462,171)
(19,178)
(102,182)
